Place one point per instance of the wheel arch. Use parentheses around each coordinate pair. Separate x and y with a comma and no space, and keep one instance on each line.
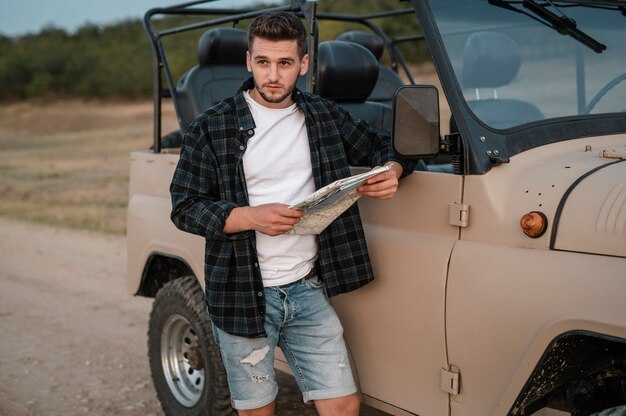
(161,268)
(574,363)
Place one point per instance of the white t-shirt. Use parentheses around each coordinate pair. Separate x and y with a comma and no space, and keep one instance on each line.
(277,167)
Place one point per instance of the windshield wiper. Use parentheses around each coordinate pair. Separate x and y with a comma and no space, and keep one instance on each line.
(563,24)
(606,3)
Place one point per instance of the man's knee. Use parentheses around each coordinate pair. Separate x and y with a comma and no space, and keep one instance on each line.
(267,410)
(352,404)
(340,406)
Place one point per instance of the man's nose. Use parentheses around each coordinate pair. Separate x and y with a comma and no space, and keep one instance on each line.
(272,73)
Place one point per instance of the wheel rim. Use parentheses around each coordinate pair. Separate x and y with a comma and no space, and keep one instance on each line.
(183,361)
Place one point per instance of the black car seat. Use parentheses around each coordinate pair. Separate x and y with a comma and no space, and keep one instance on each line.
(492,60)
(220,72)
(347,73)
(388,80)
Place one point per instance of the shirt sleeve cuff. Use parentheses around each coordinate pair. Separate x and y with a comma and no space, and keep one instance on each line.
(220,212)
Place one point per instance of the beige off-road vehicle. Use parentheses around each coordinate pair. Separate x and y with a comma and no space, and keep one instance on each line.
(500,265)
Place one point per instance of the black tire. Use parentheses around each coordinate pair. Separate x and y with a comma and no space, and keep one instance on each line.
(185,361)
(614,411)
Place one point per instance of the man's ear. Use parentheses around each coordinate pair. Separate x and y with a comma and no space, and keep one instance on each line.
(248,59)
(304,64)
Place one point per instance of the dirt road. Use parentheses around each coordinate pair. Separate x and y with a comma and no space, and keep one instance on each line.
(72,340)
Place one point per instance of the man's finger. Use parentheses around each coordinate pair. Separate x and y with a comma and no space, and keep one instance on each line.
(381,177)
(378,186)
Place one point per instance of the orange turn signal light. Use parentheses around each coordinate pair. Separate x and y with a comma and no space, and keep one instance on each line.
(534,224)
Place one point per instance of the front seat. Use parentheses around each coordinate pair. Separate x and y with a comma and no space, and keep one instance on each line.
(492,60)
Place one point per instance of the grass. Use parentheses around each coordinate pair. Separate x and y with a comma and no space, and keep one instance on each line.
(66,162)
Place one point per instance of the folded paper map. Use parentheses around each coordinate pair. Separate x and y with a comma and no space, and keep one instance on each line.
(327,203)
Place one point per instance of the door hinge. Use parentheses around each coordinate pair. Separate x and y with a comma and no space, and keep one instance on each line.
(459,214)
(450,380)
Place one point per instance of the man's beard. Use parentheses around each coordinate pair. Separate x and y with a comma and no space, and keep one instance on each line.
(274,99)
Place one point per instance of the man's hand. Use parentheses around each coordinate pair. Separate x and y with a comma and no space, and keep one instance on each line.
(271,219)
(385,184)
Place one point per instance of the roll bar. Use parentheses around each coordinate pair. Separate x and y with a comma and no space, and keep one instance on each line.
(304,8)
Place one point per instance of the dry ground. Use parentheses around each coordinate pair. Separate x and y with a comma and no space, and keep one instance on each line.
(73,342)
(66,162)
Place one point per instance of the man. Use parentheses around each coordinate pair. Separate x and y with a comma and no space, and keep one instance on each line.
(242,163)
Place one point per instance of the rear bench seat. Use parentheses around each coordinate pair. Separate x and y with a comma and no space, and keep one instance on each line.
(347,73)
(388,80)
(220,72)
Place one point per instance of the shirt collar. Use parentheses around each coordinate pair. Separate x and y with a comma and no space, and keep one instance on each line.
(244,116)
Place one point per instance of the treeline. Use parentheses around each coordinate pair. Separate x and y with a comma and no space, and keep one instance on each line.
(94,62)
(115,61)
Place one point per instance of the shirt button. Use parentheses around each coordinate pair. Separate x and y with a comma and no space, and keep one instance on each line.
(256,264)
(241,147)
(240,128)
(260,294)
(250,132)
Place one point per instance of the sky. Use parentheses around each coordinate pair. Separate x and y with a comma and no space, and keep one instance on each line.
(19,17)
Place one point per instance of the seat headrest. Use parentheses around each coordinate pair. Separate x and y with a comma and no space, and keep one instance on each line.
(490,60)
(373,43)
(223,46)
(346,71)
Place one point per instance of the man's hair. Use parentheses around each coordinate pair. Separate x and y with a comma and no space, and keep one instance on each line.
(278,26)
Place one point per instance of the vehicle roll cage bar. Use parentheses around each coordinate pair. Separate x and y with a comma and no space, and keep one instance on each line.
(303,8)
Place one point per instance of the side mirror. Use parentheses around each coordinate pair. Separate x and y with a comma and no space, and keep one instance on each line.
(416,121)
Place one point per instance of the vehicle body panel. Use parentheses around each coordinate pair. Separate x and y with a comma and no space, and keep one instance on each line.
(535,180)
(395,326)
(505,305)
(148,218)
(593,215)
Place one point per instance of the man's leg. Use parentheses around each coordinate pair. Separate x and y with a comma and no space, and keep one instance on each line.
(311,338)
(249,364)
(340,406)
(267,410)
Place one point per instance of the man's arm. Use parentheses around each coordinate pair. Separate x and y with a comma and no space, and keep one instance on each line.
(196,206)
(366,146)
(197,209)
(271,219)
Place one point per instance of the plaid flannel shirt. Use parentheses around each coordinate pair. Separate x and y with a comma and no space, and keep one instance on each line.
(209,182)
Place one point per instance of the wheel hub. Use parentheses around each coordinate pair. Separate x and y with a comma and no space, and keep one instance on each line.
(196,360)
(183,361)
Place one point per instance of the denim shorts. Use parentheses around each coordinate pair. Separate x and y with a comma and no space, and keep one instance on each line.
(300,320)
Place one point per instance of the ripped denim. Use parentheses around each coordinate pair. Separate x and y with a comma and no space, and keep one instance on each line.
(300,320)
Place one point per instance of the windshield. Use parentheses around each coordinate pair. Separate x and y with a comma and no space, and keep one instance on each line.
(513,69)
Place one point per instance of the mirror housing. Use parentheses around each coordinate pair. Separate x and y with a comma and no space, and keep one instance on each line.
(416,121)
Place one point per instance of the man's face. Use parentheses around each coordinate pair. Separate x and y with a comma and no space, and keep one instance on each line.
(275,66)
